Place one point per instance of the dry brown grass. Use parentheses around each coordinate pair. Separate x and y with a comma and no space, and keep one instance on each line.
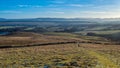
(24,38)
(68,55)
(88,55)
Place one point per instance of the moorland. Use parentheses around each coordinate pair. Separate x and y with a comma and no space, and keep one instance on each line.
(59,43)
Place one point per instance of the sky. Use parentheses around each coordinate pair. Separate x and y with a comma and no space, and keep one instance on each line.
(59,8)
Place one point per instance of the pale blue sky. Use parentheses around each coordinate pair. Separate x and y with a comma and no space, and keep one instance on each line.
(59,8)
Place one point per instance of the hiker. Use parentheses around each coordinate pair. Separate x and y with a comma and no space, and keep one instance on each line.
(78,44)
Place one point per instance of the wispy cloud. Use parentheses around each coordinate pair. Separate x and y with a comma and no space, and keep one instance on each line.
(31,6)
(58,1)
(37,6)
(94,12)
(23,6)
(53,5)
(10,11)
(80,5)
(100,12)
(97,14)
(59,12)
(107,7)
(56,12)
(76,5)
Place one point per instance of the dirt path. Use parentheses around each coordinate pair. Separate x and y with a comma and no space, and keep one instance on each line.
(103,60)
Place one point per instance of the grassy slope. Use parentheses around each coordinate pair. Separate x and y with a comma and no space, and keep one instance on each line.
(69,55)
(76,35)
(101,32)
(24,38)
(65,55)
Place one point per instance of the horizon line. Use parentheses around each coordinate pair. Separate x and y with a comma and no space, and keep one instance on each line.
(67,18)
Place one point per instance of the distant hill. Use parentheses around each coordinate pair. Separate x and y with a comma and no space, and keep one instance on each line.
(2,19)
(99,20)
(47,19)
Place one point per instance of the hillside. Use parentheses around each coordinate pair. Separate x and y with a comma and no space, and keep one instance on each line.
(59,44)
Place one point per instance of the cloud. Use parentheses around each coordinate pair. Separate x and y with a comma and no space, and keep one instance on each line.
(94,12)
(10,11)
(24,6)
(100,12)
(97,14)
(80,5)
(37,6)
(58,1)
(53,5)
(31,6)
(76,5)
(57,12)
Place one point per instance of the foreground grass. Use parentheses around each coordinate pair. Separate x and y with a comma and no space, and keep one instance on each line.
(108,55)
(51,56)
(104,62)
(64,56)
